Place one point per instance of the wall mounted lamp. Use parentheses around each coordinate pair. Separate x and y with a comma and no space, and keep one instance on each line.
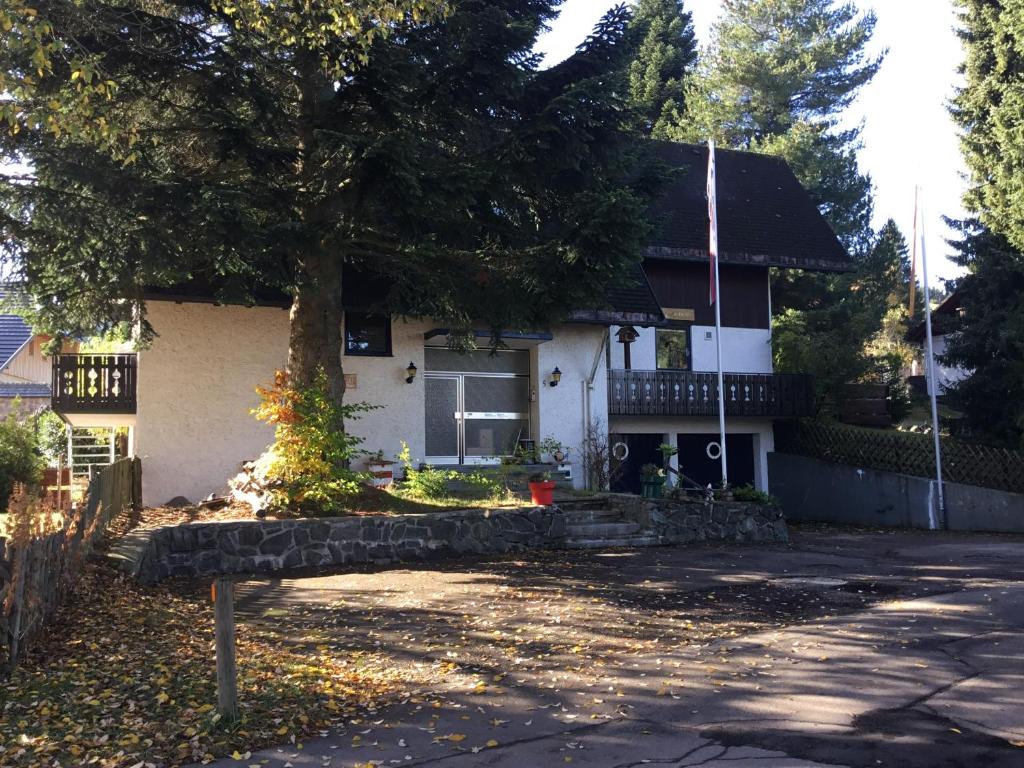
(410,372)
(556,376)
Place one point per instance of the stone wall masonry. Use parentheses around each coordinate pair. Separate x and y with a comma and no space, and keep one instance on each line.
(205,549)
(684,522)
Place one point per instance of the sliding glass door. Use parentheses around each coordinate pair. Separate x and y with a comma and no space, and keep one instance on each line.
(477,414)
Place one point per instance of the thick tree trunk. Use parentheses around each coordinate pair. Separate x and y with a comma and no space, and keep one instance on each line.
(315,339)
(315,333)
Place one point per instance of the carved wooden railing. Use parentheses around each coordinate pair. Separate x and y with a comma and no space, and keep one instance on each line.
(684,393)
(95,383)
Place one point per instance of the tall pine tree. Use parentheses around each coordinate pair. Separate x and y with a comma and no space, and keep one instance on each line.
(666,53)
(776,78)
(989,340)
(990,112)
(259,145)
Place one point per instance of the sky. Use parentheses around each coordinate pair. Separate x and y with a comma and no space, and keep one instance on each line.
(909,138)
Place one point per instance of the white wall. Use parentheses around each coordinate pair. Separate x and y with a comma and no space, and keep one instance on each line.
(948,376)
(381,381)
(29,365)
(669,427)
(643,352)
(744,350)
(560,411)
(197,387)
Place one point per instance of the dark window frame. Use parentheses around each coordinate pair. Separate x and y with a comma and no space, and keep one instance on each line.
(363,317)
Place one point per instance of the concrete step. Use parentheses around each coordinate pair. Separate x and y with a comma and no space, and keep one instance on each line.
(641,540)
(580,516)
(600,530)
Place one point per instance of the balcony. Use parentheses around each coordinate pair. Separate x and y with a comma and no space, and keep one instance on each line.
(94,384)
(684,393)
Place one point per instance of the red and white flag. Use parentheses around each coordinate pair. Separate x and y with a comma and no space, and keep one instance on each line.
(713,218)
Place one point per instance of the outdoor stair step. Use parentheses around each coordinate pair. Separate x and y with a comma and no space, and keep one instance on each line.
(601,530)
(641,540)
(578,516)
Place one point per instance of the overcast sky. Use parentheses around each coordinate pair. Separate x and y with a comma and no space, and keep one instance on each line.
(909,138)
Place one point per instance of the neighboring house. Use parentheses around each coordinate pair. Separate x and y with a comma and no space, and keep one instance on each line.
(25,372)
(946,322)
(187,399)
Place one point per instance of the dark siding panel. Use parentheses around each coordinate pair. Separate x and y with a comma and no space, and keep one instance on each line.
(681,285)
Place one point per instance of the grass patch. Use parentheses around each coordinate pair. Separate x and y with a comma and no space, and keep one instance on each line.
(127,676)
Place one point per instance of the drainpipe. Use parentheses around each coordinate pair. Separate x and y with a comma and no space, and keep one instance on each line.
(588,387)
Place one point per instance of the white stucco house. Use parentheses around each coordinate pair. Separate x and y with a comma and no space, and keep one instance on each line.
(187,398)
(946,322)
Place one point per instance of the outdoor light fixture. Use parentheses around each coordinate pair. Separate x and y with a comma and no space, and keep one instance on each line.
(410,372)
(556,376)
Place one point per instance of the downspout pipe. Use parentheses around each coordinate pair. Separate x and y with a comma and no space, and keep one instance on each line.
(588,388)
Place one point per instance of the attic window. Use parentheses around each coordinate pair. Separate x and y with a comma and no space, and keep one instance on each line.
(367,335)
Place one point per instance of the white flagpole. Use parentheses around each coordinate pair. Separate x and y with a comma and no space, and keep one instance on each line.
(717,294)
(933,383)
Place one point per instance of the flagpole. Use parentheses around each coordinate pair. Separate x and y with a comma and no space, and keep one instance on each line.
(913,261)
(717,296)
(933,384)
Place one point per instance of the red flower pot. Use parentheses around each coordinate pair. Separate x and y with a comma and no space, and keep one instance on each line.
(543,493)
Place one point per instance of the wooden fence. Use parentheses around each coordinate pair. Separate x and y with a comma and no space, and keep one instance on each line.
(903,452)
(36,575)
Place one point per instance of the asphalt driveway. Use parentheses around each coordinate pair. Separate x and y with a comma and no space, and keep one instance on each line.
(842,649)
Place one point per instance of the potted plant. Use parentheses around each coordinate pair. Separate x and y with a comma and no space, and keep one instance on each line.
(553,448)
(381,469)
(542,489)
(652,481)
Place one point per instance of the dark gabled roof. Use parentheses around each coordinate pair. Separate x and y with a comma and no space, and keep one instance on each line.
(631,302)
(765,217)
(10,391)
(14,331)
(946,318)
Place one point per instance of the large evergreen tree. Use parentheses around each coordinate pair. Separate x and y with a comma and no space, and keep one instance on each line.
(666,53)
(854,329)
(776,78)
(988,339)
(990,112)
(262,145)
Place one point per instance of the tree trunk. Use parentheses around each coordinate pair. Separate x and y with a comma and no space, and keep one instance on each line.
(315,331)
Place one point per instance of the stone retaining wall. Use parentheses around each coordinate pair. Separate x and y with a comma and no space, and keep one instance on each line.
(682,522)
(204,549)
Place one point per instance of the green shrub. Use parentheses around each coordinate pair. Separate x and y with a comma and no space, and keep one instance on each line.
(52,436)
(308,465)
(750,494)
(20,460)
(427,483)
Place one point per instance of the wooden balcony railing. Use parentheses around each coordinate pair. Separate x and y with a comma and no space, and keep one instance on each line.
(684,393)
(95,383)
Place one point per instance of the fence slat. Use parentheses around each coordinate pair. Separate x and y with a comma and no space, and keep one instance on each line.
(45,568)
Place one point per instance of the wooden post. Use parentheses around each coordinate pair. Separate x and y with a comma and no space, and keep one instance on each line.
(20,563)
(136,484)
(224,626)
